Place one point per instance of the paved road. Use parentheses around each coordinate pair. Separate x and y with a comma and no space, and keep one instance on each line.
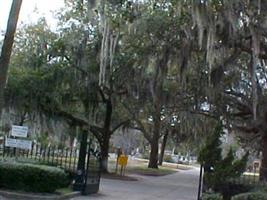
(182,185)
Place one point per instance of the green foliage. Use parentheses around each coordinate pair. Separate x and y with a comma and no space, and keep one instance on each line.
(168,158)
(211,153)
(176,151)
(145,155)
(43,139)
(260,188)
(214,196)
(220,172)
(31,177)
(251,196)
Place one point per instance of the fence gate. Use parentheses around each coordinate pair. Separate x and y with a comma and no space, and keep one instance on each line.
(88,172)
(92,172)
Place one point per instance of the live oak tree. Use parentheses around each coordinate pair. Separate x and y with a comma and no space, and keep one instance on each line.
(232,35)
(153,46)
(31,66)
(92,52)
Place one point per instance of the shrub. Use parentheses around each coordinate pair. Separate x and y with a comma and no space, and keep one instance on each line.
(168,158)
(230,189)
(31,177)
(251,196)
(145,155)
(220,172)
(27,161)
(214,196)
(259,188)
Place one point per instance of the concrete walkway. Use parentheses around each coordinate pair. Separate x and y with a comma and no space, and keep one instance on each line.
(182,185)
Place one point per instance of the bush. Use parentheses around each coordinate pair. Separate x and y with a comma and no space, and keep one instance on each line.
(259,188)
(230,189)
(220,172)
(31,177)
(251,196)
(214,196)
(168,158)
(145,155)
(26,161)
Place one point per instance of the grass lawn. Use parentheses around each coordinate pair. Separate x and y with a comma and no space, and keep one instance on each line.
(177,166)
(140,167)
(64,191)
(144,170)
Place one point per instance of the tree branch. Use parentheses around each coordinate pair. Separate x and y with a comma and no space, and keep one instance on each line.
(119,125)
(102,95)
(143,130)
(97,132)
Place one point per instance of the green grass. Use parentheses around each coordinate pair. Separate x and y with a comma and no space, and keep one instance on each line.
(64,191)
(177,166)
(144,170)
(141,167)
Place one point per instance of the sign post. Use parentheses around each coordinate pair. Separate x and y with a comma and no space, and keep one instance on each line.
(18,143)
(119,152)
(122,161)
(19,132)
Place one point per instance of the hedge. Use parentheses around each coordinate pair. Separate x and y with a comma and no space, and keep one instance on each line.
(251,196)
(214,196)
(31,177)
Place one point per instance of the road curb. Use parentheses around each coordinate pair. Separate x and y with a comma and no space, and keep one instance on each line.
(22,196)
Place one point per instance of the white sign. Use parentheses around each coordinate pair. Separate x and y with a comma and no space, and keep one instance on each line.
(18,143)
(19,131)
(10,142)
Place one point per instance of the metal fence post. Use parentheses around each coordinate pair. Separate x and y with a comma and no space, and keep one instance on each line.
(199,195)
(87,168)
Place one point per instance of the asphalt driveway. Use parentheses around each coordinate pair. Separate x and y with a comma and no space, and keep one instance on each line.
(182,185)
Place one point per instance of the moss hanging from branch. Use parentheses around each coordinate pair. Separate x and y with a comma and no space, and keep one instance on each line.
(254,62)
(211,53)
(108,47)
(199,20)
(104,52)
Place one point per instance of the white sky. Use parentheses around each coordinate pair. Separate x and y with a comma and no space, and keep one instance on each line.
(44,7)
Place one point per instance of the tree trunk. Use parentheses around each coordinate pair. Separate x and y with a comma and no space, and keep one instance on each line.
(104,155)
(106,136)
(7,47)
(83,151)
(154,144)
(164,142)
(263,170)
(153,157)
(72,134)
(157,97)
(79,180)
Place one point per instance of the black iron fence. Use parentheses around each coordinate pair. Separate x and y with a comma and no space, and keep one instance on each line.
(250,178)
(84,164)
(66,158)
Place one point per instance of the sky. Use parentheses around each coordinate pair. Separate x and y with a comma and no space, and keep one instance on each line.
(44,7)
